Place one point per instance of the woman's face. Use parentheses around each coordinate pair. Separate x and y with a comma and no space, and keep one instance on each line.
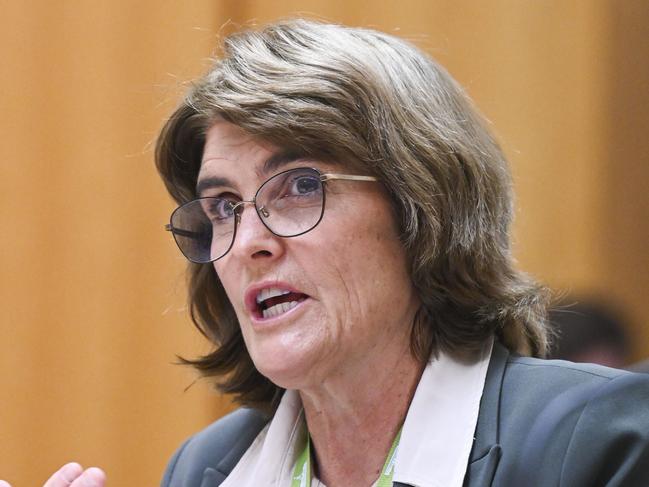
(348,275)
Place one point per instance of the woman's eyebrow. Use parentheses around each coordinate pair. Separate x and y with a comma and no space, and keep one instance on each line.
(280,159)
(211,182)
(271,165)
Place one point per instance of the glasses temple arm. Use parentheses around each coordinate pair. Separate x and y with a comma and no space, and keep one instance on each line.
(180,231)
(348,177)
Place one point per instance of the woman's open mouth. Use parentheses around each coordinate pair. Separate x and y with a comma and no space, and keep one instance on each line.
(270,302)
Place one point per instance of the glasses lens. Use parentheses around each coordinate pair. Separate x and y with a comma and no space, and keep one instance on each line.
(204,228)
(291,203)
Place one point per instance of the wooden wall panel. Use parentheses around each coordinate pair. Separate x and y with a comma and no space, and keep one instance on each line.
(624,220)
(91,288)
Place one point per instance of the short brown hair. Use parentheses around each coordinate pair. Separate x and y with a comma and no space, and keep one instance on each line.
(379,104)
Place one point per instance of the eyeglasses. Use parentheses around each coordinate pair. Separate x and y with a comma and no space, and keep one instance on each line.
(289,204)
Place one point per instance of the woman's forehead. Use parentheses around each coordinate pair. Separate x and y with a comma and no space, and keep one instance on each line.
(229,143)
(230,149)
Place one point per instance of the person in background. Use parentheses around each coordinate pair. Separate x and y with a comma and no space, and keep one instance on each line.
(589,331)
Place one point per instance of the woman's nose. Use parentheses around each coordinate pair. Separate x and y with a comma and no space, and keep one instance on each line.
(253,239)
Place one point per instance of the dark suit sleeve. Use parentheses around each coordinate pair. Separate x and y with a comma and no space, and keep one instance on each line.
(610,442)
(171,465)
(213,452)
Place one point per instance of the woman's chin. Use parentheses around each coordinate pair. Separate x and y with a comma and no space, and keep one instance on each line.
(285,371)
(288,359)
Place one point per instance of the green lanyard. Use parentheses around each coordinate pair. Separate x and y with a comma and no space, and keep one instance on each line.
(302,471)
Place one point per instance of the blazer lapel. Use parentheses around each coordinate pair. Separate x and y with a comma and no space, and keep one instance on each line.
(480,473)
(212,478)
(486,451)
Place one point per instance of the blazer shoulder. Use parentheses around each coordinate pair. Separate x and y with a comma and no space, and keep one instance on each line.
(571,424)
(610,441)
(560,372)
(594,433)
(529,385)
(218,447)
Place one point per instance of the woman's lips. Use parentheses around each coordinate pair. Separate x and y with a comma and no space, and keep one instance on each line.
(278,312)
(271,300)
(279,304)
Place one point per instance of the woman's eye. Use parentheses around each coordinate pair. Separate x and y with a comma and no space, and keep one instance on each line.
(220,209)
(304,185)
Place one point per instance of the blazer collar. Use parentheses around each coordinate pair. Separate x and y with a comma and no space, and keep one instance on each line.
(486,451)
(487,430)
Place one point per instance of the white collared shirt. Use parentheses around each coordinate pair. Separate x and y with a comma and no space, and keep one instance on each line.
(436,438)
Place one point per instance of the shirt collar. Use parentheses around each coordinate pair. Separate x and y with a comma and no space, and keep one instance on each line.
(438,432)
(436,438)
(269,460)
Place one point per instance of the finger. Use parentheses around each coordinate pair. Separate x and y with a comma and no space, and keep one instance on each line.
(4,483)
(65,475)
(92,477)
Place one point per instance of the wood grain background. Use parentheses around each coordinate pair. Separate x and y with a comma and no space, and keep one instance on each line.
(92,290)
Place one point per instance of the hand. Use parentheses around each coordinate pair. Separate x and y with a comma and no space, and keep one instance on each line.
(73,475)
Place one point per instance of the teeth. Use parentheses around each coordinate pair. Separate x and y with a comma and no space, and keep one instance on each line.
(278,309)
(270,292)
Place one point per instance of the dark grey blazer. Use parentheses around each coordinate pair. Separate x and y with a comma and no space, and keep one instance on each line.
(541,423)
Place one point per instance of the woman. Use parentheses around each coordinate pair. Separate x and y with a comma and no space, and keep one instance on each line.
(347,217)
(355,212)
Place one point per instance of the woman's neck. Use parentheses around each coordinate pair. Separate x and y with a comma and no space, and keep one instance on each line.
(354,418)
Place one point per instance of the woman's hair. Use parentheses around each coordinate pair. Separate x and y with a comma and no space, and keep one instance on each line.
(379,105)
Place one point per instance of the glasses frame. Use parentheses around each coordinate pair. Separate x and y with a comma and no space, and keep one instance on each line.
(238,208)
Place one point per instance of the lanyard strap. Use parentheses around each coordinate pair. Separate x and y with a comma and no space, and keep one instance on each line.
(302,471)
